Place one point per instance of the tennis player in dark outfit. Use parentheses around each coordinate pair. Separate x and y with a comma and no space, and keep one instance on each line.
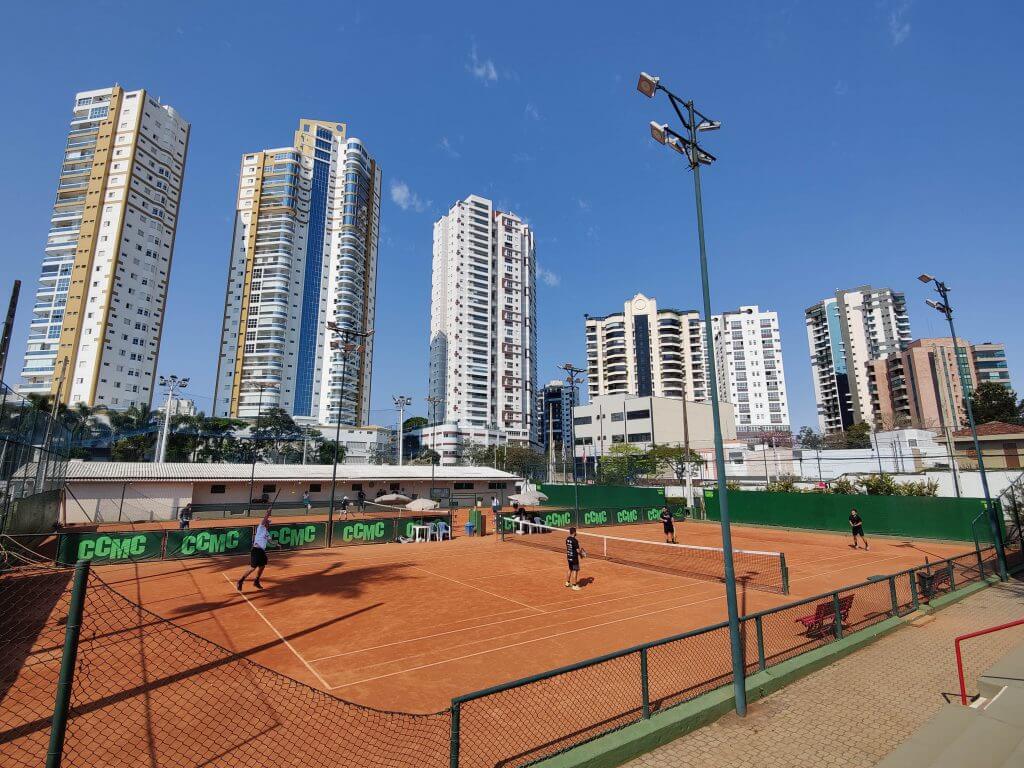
(857,528)
(669,525)
(573,553)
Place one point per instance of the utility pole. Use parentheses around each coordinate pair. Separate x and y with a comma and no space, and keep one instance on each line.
(953,467)
(401,402)
(174,385)
(573,377)
(434,402)
(947,310)
(5,340)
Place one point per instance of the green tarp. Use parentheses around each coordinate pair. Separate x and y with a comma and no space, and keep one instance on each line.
(112,547)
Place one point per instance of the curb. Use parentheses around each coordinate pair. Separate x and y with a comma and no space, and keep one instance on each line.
(635,740)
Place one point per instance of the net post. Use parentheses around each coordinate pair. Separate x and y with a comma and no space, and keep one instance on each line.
(837,616)
(981,563)
(453,750)
(913,590)
(72,629)
(785,573)
(759,626)
(645,690)
(952,584)
(892,596)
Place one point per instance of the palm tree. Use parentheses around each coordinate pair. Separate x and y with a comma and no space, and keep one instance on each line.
(135,432)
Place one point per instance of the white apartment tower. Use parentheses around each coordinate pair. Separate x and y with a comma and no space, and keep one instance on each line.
(99,308)
(304,253)
(483,320)
(645,351)
(844,333)
(748,358)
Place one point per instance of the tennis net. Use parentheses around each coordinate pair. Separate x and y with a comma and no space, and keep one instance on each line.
(758,570)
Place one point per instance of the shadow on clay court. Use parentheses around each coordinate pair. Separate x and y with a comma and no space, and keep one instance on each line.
(227,657)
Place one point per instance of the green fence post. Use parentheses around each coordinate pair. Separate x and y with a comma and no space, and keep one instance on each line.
(759,626)
(913,590)
(785,573)
(453,759)
(981,564)
(645,688)
(838,616)
(72,629)
(892,596)
(952,584)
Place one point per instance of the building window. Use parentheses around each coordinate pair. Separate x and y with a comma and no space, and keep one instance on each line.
(218,488)
(580,421)
(497,486)
(314,487)
(463,486)
(645,414)
(269,488)
(357,486)
(640,437)
(618,416)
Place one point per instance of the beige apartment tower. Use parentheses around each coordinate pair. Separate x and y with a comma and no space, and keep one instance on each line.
(98,316)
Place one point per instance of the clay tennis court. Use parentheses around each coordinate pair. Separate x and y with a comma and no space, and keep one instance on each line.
(407,627)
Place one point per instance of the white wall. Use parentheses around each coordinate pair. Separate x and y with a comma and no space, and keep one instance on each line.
(101,502)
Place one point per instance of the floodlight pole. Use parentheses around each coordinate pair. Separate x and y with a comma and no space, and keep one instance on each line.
(691,150)
(993,521)
(572,378)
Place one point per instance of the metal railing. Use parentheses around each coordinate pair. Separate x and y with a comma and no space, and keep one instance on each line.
(959,656)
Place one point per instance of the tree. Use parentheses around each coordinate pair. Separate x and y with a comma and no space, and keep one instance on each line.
(426,456)
(522,460)
(680,461)
(785,484)
(276,433)
(992,401)
(135,431)
(809,439)
(414,422)
(324,453)
(623,464)
(859,436)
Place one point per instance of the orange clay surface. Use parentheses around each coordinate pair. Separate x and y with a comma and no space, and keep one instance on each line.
(408,626)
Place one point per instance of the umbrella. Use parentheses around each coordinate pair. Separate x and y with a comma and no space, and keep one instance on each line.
(421,505)
(391,498)
(530,497)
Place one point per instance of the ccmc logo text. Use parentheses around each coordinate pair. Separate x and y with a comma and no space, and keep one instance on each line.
(364,531)
(210,542)
(294,536)
(558,519)
(595,517)
(110,548)
(627,516)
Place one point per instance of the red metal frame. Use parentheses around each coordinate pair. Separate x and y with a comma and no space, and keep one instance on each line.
(959,658)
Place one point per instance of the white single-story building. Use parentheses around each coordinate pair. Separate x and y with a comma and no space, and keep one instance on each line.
(105,492)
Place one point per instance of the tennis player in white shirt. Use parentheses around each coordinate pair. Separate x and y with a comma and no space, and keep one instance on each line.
(258,553)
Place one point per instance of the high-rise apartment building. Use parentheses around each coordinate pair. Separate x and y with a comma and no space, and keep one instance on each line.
(98,317)
(645,351)
(555,402)
(923,386)
(304,254)
(483,320)
(844,332)
(748,359)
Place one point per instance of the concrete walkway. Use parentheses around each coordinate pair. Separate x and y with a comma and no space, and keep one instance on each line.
(857,710)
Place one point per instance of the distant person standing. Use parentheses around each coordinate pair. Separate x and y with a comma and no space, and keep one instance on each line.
(496,511)
(361,500)
(857,528)
(307,502)
(185,517)
(258,553)
(668,525)
(344,506)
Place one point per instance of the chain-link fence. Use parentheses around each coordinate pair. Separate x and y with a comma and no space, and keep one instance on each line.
(148,691)
(34,451)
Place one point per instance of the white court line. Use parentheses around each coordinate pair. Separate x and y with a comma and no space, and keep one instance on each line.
(574,607)
(837,570)
(282,637)
(514,645)
(464,584)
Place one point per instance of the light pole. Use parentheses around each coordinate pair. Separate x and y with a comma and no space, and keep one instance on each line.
(401,403)
(433,402)
(255,440)
(572,378)
(348,340)
(688,147)
(946,309)
(174,386)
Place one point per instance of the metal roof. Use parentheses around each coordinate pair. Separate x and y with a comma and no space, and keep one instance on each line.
(113,471)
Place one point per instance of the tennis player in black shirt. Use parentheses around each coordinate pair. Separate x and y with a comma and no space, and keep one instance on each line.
(668,525)
(573,553)
(857,528)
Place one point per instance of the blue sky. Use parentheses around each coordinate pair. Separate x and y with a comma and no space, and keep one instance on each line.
(861,143)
